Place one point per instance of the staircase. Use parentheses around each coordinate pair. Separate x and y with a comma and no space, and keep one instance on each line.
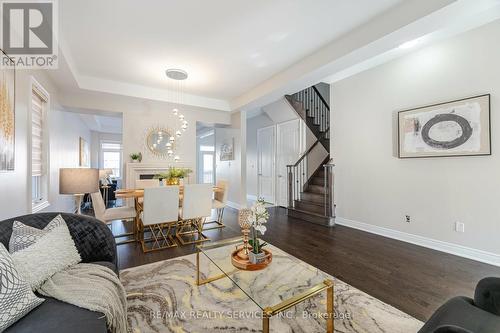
(311,198)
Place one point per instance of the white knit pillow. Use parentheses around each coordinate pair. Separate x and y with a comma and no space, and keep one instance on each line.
(50,254)
(24,235)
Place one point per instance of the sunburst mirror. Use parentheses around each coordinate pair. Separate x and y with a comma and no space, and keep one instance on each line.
(161,142)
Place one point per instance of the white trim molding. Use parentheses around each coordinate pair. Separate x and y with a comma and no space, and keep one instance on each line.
(233,205)
(252,197)
(458,250)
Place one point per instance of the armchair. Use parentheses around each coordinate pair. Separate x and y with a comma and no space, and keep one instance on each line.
(466,315)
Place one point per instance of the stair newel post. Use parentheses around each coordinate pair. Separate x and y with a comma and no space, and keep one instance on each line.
(290,186)
(329,206)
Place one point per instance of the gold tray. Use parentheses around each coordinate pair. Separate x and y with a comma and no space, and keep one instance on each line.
(246,265)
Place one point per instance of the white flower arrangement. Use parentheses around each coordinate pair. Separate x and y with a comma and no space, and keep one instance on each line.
(257,220)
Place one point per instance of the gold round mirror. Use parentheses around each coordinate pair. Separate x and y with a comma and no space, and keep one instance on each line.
(161,142)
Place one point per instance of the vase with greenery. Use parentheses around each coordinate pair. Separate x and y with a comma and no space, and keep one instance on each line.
(258,218)
(174,175)
(136,157)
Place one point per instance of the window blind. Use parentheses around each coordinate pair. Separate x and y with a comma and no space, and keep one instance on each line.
(36,134)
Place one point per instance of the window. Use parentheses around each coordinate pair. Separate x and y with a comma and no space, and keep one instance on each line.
(208,168)
(39,148)
(112,157)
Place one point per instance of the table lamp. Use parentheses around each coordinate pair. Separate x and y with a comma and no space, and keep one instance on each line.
(78,181)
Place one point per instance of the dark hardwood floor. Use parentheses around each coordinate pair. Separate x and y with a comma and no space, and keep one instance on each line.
(413,279)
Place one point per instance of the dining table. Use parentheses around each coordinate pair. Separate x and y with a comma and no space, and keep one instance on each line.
(138,196)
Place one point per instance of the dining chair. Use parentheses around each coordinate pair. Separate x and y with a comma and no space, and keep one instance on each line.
(141,184)
(159,215)
(108,215)
(219,203)
(196,207)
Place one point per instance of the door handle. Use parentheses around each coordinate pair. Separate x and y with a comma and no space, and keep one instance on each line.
(280,176)
(259,174)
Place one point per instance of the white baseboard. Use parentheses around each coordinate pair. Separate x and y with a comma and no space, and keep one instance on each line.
(252,197)
(458,250)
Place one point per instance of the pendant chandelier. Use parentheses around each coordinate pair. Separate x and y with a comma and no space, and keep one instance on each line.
(177,80)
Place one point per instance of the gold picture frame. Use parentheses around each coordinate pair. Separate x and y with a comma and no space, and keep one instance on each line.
(7,116)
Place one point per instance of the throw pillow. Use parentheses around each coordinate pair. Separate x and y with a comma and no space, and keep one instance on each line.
(16,297)
(24,236)
(50,254)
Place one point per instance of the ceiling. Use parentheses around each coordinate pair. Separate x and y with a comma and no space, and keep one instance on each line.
(227,46)
(240,55)
(103,124)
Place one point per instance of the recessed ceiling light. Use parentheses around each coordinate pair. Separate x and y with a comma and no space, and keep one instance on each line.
(176,74)
(409,44)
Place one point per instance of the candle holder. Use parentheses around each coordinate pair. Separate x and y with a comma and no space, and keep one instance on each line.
(245,224)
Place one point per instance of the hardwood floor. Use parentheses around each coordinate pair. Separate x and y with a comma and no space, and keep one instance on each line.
(413,279)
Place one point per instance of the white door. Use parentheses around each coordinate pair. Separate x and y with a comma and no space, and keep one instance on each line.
(265,163)
(288,152)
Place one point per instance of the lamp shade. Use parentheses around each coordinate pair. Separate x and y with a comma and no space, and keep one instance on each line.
(78,180)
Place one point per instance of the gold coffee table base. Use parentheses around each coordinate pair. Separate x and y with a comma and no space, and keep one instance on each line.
(327,285)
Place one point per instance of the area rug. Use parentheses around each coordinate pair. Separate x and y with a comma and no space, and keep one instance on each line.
(163,297)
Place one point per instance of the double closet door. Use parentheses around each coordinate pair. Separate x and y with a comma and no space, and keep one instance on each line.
(277,146)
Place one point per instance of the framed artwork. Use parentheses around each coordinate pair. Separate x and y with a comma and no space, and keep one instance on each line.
(227,151)
(84,153)
(457,128)
(7,117)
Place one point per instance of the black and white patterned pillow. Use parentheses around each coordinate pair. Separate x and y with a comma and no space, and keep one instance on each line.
(16,297)
(24,236)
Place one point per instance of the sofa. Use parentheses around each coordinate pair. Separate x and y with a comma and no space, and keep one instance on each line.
(96,244)
(467,315)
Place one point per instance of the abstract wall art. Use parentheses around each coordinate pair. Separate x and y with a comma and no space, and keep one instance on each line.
(227,150)
(456,128)
(7,118)
(84,153)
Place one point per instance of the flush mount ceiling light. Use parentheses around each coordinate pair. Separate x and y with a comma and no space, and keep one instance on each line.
(409,44)
(176,74)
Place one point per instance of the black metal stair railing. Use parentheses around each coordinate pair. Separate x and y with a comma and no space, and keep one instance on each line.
(315,112)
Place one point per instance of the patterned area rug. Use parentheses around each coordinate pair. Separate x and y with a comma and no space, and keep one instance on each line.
(163,297)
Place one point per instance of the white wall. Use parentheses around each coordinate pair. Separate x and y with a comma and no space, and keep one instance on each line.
(233,171)
(64,129)
(137,122)
(376,188)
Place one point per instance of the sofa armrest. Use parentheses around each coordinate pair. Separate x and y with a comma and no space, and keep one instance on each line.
(93,239)
(487,295)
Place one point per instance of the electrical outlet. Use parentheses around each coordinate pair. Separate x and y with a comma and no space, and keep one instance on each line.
(459,227)
(408,218)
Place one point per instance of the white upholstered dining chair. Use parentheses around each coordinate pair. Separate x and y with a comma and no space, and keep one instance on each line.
(141,184)
(108,215)
(159,216)
(219,203)
(196,207)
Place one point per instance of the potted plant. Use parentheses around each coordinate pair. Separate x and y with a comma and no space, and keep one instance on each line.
(136,157)
(174,175)
(257,219)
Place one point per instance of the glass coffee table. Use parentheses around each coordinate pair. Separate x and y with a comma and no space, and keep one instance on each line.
(286,282)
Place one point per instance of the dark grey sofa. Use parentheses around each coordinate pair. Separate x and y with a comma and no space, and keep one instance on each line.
(96,244)
(466,315)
